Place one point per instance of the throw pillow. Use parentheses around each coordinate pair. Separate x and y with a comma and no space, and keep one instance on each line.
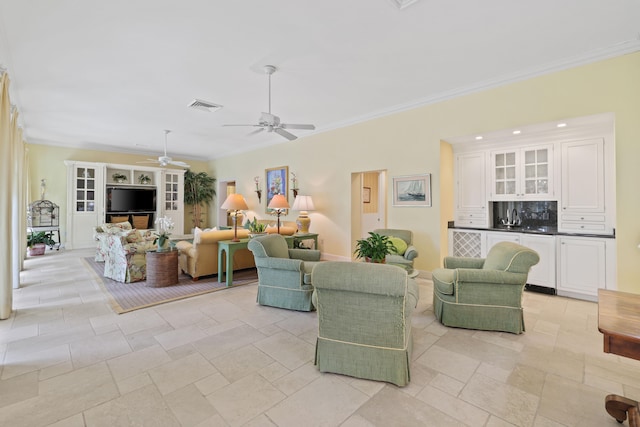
(399,244)
(134,236)
(196,235)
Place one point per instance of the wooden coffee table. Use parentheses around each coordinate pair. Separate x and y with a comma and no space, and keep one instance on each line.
(619,321)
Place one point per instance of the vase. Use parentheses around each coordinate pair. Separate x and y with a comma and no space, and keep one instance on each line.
(163,244)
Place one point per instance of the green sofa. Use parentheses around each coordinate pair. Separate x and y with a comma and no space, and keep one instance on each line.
(284,275)
(364,320)
(484,293)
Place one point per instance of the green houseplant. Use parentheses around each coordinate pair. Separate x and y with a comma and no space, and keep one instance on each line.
(198,191)
(37,242)
(256,227)
(374,248)
(119,178)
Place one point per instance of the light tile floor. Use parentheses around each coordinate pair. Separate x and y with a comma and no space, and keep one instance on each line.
(222,360)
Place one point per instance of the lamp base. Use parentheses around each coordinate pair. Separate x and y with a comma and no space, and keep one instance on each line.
(303,222)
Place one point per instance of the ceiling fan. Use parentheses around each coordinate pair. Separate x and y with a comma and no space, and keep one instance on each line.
(271,122)
(166,160)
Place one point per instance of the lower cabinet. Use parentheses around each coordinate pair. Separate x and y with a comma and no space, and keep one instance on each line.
(543,273)
(585,264)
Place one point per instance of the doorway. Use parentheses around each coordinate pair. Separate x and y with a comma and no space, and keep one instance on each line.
(368,203)
(224,218)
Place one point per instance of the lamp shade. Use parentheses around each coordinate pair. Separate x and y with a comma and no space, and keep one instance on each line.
(303,203)
(278,202)
(235,202)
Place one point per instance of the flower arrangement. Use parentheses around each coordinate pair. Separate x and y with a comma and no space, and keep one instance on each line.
(256,179)
(144,179)
(256,227)
(294,181)
(165,225)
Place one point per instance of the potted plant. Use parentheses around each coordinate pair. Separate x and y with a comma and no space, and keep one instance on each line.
(37,242)
(119,178)
(256,228)
(374,248)
(198,191)
(144,179)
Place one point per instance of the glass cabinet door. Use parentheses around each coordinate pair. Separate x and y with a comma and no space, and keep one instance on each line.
(536,171)
(85,182)
(171,192)
(505,173)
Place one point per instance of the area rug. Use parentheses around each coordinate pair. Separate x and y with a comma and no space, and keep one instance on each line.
(125,297)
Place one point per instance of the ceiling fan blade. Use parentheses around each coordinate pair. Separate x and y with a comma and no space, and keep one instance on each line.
(242,125)
(284,133)
(291,126)
(260,129)
(148,161)
(178,163)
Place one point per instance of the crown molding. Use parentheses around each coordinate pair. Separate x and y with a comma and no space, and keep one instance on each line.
(620,49)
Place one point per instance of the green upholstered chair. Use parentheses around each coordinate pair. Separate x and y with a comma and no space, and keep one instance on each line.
(284,275)
(484,293)
(407,253)
(364,320)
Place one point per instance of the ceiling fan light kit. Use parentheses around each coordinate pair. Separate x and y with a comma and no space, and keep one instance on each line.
(166,160)
(270,122)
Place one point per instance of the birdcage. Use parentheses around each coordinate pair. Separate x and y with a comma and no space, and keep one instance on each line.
(43,213)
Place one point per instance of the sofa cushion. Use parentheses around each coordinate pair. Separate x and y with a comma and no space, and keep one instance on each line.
(197,234)
(400,245)
(134,236)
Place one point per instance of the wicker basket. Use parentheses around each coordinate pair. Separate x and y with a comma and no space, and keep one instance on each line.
(162,268)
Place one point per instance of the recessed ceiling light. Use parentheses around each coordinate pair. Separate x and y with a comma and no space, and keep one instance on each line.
(561,125)
(517,132)
(478,138)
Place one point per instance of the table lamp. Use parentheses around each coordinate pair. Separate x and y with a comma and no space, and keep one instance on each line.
(235,202)
(278,203)
(303,204)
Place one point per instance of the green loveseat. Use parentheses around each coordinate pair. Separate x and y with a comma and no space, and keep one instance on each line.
(364,320)
(284,275)
(484,293)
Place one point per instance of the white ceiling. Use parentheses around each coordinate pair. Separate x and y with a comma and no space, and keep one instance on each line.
(114,74)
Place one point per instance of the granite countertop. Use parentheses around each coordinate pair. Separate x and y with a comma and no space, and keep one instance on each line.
(543,230)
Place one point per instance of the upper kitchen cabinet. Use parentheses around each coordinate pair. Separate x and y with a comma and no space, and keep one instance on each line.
(471,190)
(522,174)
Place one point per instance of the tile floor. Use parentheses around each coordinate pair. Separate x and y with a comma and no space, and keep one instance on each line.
(222,360)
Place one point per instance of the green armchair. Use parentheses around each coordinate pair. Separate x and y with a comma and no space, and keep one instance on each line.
(284,275)
(364,320)
(484,293)
(403,242)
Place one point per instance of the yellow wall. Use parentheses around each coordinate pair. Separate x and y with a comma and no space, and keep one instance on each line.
(47,162)
(409,143)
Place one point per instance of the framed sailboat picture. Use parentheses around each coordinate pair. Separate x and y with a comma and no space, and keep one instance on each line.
(412,190)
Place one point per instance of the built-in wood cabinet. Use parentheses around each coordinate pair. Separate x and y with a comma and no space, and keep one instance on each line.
(522,174)
(88,185)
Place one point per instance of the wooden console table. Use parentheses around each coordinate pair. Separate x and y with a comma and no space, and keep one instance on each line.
(619,321)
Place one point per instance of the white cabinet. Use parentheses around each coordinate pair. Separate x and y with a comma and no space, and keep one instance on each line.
(471,190)
(89,185)
(582,197)
(522,174)
(584,265)
(85,203)
(543,273)
(173,198)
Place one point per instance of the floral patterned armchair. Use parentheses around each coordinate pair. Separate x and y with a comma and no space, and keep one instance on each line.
(100,234)
(126,259)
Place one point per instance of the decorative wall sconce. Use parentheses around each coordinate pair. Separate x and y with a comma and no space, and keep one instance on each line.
(258,188)
(294,184)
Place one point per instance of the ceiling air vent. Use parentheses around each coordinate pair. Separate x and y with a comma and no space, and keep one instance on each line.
(199,104)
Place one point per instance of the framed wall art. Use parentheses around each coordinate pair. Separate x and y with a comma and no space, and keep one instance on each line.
(276,183)
(412,190)
(366,195)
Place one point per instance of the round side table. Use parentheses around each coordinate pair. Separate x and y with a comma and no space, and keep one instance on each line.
(162,268)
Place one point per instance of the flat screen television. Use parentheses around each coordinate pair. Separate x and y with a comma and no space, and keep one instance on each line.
(131,199)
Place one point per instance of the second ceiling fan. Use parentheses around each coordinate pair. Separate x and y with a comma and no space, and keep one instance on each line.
(270,122)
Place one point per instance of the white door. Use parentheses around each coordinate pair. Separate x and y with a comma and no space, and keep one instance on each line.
(582,266)
(544,272)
